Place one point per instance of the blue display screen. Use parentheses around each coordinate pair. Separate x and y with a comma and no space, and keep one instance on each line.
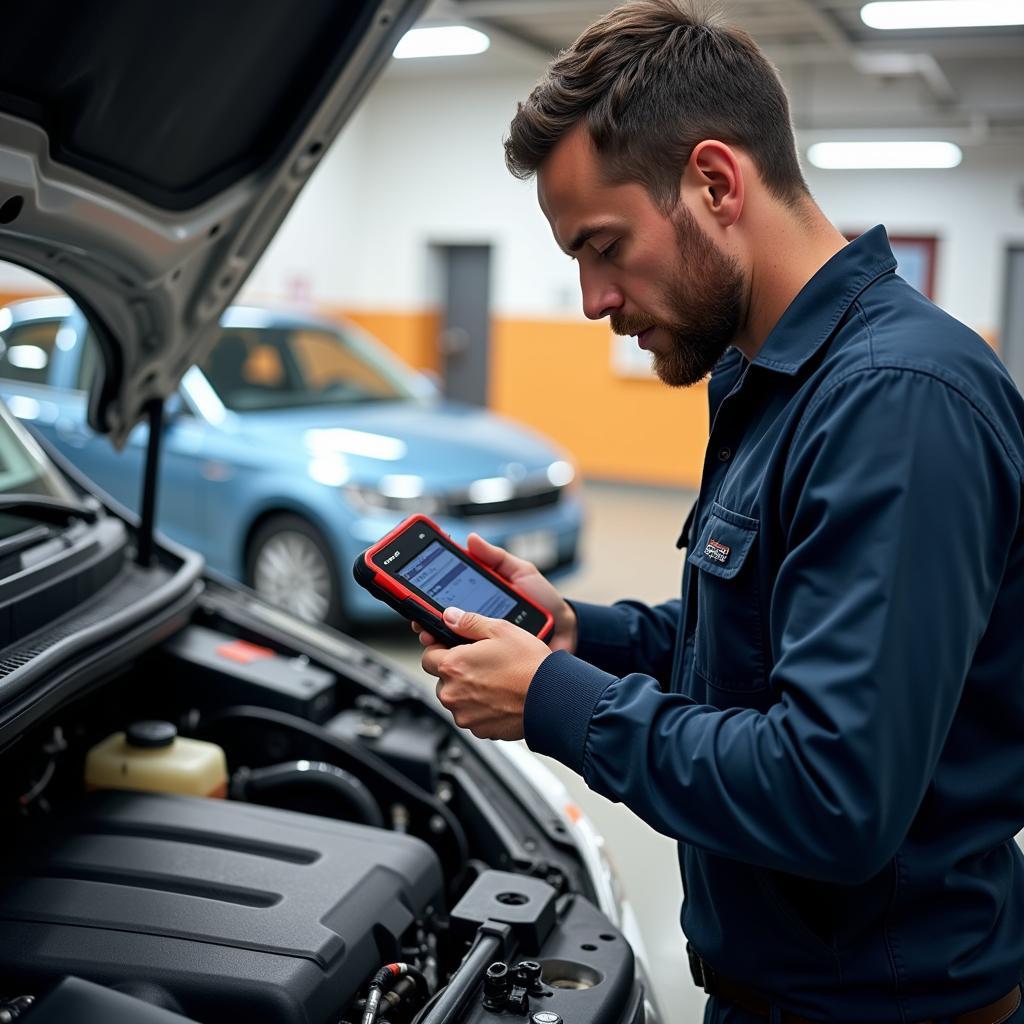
(448,580)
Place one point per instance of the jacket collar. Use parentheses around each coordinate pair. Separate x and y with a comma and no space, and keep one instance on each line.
(813,315)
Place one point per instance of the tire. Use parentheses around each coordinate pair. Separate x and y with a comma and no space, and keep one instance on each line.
(290,565)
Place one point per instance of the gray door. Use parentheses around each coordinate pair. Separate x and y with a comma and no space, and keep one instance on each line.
(1012,340)
(466,323)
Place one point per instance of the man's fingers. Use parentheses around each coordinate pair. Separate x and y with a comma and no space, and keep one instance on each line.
(494,557)
(425,638)
(432,658)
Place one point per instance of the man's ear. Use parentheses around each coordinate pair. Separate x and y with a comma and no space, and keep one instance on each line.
(714,176)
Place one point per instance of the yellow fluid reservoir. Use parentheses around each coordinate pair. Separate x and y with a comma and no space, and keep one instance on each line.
(152,756)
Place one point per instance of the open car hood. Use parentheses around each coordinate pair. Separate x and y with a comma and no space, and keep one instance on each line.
(149,152)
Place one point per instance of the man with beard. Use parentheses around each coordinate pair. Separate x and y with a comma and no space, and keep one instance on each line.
(829,719)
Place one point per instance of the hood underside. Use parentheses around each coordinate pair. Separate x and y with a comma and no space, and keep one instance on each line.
(149,152)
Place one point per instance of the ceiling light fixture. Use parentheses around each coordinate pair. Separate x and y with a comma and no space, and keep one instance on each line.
(443,41)
(836,156)
(904,14)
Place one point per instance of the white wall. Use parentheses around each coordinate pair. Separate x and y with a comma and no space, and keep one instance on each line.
(975,210)
(430,170)
(317,250)
(423,163)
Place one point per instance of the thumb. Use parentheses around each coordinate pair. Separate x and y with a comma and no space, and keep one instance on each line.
(469,624)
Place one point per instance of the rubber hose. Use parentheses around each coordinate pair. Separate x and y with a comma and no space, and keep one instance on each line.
(317,775)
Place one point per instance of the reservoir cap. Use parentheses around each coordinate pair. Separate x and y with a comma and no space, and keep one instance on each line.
(150,734)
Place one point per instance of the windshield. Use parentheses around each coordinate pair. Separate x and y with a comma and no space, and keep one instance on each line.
(257,368)
(24,469)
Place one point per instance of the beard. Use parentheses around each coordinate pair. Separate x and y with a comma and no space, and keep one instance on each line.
(705,296)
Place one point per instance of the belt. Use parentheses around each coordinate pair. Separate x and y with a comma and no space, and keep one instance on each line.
(714,984)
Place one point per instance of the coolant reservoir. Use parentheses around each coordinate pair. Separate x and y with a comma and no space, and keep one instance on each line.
(152,756)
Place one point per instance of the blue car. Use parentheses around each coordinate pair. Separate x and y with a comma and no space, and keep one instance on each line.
(292,446)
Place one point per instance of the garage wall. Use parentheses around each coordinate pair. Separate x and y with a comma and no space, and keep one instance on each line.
(426,174)
(422,164)
(975,210)
(424,160)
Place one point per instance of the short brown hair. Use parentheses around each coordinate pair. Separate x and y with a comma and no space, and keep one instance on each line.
(650,80)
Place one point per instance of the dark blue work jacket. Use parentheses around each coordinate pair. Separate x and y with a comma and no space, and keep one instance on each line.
(831,719)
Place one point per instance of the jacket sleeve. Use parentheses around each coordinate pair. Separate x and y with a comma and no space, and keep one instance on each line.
(899,504)
(628,636)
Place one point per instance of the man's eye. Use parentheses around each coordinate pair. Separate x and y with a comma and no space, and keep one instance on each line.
(610,251)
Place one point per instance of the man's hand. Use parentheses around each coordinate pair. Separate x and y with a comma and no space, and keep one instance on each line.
(484,683)
(526,577)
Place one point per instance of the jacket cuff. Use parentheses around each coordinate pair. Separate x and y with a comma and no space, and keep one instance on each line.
(559,706)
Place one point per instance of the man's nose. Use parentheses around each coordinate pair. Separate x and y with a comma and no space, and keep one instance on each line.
(601,297)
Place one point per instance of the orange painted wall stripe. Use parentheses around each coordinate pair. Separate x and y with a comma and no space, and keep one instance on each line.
(558,378)
(6,297)
(412,336)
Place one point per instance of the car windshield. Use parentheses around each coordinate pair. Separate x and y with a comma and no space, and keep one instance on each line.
(24,469)
(259,368)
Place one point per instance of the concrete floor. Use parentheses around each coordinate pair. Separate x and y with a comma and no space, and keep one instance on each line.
(628,551)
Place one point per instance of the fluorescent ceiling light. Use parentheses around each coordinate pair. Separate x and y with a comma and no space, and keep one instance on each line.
(902,14)
(884,155)
(446,41)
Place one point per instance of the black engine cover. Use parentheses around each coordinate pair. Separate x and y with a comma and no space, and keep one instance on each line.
(238,912)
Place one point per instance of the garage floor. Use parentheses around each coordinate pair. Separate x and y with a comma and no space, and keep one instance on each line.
(629,551)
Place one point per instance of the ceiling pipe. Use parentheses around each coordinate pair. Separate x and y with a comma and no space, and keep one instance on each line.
(922,64)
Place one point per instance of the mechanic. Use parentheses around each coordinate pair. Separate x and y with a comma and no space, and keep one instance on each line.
(830,720)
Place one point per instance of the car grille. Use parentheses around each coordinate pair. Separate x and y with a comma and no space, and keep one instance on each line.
(465,509)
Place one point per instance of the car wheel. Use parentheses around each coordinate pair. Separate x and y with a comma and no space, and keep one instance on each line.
(289,564)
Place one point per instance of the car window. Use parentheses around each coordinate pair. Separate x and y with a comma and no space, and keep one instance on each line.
(27,350)
(24,468)
(325,363)
(279,368)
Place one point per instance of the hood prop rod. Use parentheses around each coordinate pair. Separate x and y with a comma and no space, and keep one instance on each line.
(155,414)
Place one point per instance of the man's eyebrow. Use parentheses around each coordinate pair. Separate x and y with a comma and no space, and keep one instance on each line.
(583,236)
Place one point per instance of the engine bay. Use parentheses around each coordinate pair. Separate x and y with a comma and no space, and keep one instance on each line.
(364,864)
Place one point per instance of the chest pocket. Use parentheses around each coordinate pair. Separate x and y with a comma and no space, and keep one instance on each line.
(728,652)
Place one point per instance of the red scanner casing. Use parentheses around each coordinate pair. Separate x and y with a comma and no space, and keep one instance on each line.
(407,602)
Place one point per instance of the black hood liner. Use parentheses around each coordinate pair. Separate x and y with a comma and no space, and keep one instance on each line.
(173,102)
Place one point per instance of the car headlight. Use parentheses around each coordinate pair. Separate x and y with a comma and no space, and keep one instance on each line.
(393,494)
(564,474)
